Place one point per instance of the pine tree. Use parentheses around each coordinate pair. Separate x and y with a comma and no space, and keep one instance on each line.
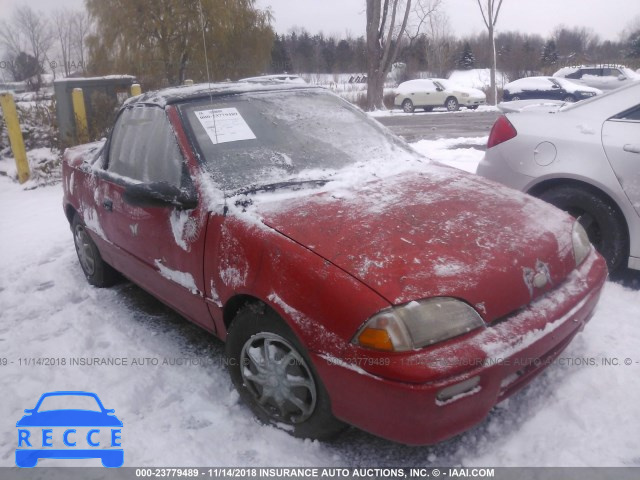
(633,45)
(549,54)
(467,59)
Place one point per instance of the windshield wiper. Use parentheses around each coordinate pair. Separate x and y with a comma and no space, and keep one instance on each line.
(275,186)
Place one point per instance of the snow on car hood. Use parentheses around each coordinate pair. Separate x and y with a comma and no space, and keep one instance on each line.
(474,92)
(440,232)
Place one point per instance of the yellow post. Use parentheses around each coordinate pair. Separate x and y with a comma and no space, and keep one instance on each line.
(15,136)
(136,90)
(82,130)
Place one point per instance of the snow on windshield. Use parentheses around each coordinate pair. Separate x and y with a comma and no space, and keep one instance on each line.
(264,138)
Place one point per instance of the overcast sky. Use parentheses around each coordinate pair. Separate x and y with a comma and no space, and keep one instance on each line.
(606,17)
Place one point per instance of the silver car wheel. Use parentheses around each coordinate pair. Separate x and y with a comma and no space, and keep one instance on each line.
(278,378)
(82,242)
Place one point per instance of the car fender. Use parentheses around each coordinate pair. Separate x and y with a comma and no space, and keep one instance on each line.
(322,304)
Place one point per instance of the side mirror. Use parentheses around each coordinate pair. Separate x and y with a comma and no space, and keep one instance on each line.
(159,194)
(621,77)
(439,89)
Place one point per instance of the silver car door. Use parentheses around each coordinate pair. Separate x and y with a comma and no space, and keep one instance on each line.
(621,142)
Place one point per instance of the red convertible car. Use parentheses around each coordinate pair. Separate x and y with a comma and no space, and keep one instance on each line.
(353,281)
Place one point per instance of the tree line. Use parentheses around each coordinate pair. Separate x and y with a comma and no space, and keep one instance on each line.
(164,42)
(518,54)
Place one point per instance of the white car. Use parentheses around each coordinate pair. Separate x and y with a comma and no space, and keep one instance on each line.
(583,158)
(604,77)
(429,93)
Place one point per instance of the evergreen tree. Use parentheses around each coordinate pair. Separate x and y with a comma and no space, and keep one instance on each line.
(467,60)
(280,59)
(549,54)
(633,45)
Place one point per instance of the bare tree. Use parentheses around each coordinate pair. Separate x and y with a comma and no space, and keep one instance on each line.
(81,30)
(63,27)
(423,12)
(28,32)
(490,11)
(384,30)
(440,43)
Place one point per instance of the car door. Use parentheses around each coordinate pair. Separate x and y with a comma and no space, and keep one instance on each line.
(440,94)
(158,246)
(423,95)
(621,142)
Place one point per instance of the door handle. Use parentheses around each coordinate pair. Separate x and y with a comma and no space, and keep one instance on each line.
(107,204)
(631,148)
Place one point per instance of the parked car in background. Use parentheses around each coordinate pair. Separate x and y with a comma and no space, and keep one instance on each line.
(547,88)
(604,77)
(584,159)
(429,93)
(352,279)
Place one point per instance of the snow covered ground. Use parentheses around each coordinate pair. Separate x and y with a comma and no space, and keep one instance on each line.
(579,412)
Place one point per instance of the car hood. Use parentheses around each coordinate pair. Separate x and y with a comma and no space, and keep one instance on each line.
(437,233)
(69,418)
(474,92)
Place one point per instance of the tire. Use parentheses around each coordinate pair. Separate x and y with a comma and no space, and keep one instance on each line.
(472,107)
(515,98)
(605,225)
(451,104)
(304,410)
(98,272)
(407,106)
(569,99)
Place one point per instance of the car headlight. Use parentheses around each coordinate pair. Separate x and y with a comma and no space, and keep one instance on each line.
(418,324)
(581,244)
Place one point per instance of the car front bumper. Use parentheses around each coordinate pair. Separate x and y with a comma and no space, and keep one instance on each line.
(505,356)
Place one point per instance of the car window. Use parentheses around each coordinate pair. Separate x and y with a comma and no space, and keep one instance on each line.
(69,402)
(633,114)
(264,138)
(592,71)
(611,72)
(143,147)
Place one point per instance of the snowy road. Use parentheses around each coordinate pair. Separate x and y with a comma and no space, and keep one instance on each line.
(579,412)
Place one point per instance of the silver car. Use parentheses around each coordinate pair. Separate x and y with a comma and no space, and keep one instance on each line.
(583,158)
(604,77)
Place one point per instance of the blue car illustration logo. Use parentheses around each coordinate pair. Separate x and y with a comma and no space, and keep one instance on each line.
(46,432)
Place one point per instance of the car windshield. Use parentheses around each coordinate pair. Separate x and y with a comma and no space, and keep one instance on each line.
(250,140)
(69,402)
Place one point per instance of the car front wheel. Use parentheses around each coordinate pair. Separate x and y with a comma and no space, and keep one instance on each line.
(274,376)
(602,221)
(451,104)
(97,271)
(407,106)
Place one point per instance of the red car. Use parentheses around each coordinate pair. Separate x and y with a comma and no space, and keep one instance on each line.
(353,281)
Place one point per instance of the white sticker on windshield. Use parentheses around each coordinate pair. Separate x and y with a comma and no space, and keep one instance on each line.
(225,125)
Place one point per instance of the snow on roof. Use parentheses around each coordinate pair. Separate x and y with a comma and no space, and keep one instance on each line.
(479,78)
(282,78)
(183,92)
(92,79)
